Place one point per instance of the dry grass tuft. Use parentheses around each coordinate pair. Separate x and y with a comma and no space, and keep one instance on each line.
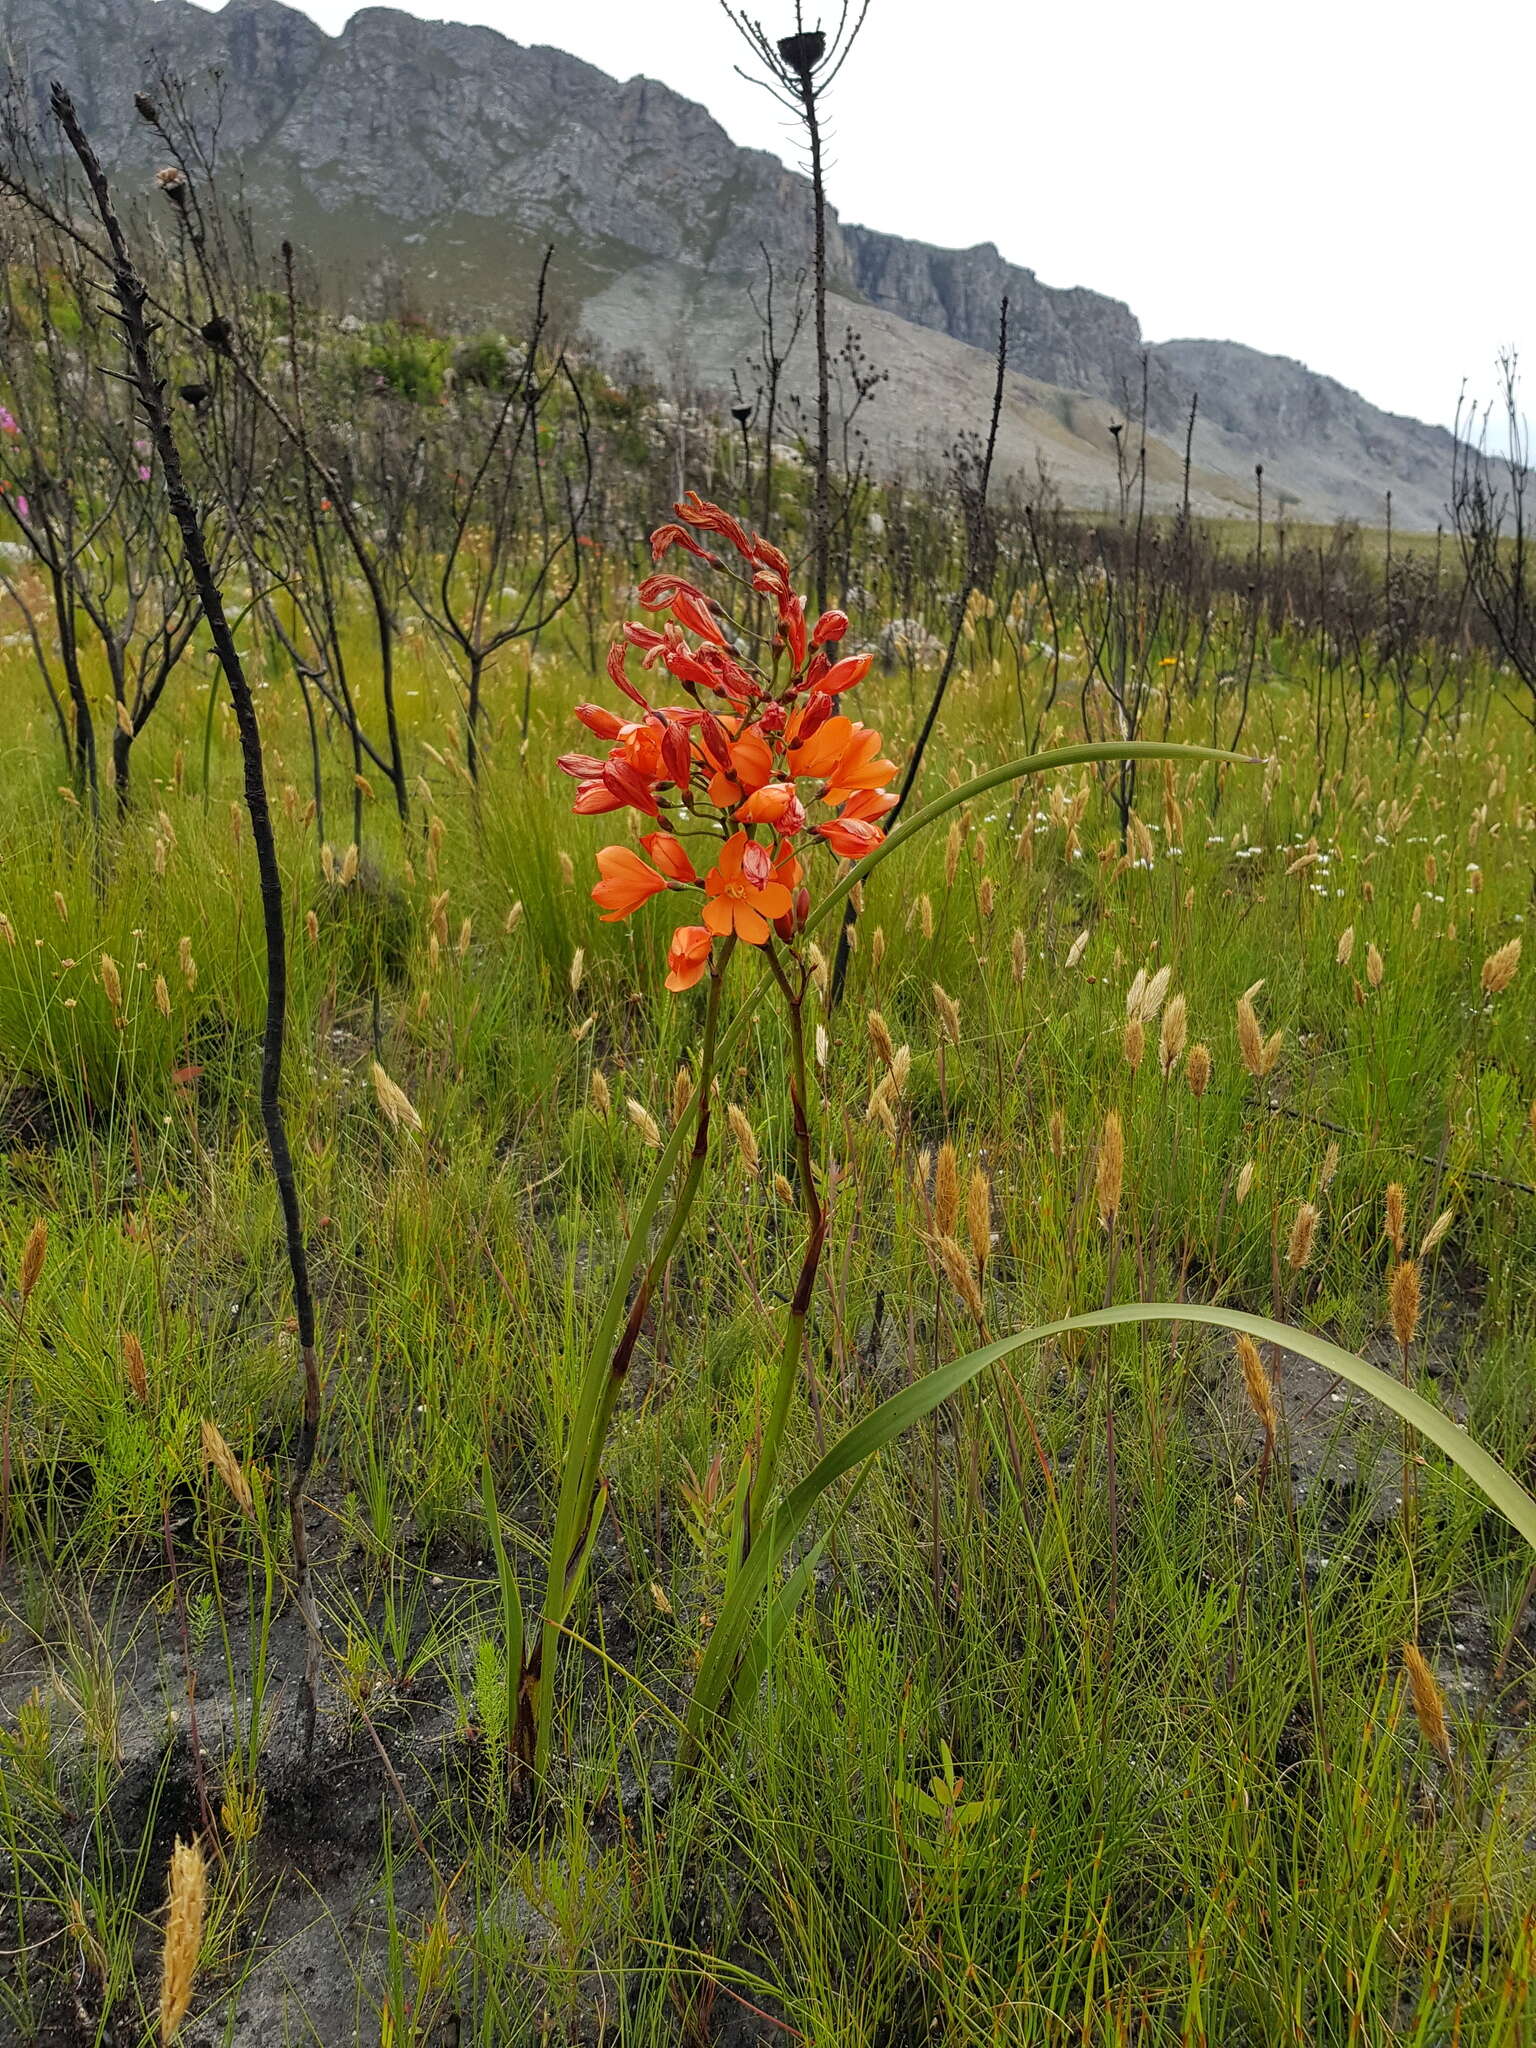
(1174,1034)
(1258,1387)
(1396,1216)
(134,1368)
(1259,1053)
(961,1274)
(745,1136)
(644,1123)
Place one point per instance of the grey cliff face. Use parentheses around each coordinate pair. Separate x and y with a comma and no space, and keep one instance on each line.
(1316,439)
(1072,338)
(406,135)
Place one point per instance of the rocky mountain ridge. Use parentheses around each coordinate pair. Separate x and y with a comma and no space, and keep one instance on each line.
(453,152)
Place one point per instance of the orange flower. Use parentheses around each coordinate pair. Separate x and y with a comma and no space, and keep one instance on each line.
(687,956)
(852,838)
(742,895)
(593,798)
(670,855)
(686,602)
(827,744)
(627,882)
(858,767)
(599,719)
(870,804)
(822,751)
(640,745)
(709,518)
(776,803)
(674,536)
(842,675)
(792,627)
(844,755)
(751,767)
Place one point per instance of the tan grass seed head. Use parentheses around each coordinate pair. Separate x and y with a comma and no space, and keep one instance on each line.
(1428,1701)
(183,1936)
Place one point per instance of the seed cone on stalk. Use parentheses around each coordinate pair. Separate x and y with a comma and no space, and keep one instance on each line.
(33,1253)
(1303,1233)
(1428,1701)
(644,1123)
(1499,968)
(880,1038)
(978,1217)
(1174,1034)
(1110,1180)
(961,1273)
(223,1460)
(134,1367)
(1258,1387)
(1403,1300)
(1259,1053)
(397,1106)
(1437,1233)
(1396,1216)
(744,1135)
(183,1936)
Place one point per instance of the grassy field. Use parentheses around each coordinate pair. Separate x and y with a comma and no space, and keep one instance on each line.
(1033,1763)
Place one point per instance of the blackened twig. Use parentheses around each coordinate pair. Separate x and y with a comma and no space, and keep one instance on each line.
(132,299)
(978,565)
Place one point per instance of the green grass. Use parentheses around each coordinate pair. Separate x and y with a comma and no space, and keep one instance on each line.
(1157,1838)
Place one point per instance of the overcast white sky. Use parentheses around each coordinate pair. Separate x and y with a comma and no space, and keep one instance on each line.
(1344,181)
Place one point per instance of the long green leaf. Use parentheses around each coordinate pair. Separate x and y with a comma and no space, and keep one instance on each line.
(1499,1486)
(733,1630)
(780,1609)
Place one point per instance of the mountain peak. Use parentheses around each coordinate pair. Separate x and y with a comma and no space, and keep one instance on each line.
(474,150)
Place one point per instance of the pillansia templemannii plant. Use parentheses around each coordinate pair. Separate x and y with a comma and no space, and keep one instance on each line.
(743,788)
(743,784)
